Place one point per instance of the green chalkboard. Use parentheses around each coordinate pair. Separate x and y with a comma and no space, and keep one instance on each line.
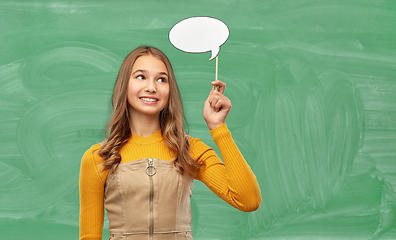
(313,88)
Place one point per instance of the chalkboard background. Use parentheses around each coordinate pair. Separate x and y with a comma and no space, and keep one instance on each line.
(313,87)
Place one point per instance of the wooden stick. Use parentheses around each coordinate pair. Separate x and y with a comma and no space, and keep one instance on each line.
(217,66)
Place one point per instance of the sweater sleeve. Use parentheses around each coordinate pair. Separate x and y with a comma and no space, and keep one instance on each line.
(91,187)
(233,181)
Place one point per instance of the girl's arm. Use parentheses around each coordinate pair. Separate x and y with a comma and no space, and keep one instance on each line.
(91,198)
(233,181)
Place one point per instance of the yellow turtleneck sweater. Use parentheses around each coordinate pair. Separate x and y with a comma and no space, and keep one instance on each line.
(233,181)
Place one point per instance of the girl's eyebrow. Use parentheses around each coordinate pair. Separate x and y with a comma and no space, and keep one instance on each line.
(139,70)
(145,71)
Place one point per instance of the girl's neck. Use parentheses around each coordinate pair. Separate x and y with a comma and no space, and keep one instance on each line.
(144,125)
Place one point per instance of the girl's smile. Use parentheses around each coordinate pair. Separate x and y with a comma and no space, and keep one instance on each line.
(149,100)
(148,87)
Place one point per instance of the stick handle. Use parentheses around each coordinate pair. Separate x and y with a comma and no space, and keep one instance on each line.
(217,66)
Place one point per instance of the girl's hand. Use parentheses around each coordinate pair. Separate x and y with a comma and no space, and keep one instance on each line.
(217,106)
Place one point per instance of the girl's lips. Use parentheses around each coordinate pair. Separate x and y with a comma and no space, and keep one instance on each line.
(149,100)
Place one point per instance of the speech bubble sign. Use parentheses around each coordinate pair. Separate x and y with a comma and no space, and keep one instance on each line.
(199,34)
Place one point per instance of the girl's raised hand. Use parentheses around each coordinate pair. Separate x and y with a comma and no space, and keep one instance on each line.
(217,106)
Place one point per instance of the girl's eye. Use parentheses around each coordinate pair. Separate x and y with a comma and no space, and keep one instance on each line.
(162,80)
(140,77)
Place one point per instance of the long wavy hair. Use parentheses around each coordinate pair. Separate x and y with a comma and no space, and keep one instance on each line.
(171,117)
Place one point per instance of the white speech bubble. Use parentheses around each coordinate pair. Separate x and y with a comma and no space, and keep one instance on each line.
(199,34)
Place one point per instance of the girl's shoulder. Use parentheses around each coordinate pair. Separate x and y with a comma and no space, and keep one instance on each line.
(91,163)
(197,147)
(217,133)
(92,154)
(94,148)
(193,141)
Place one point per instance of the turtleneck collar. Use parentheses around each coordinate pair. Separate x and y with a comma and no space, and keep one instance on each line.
(155,137)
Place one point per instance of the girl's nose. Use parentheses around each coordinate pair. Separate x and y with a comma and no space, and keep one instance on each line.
(151,86)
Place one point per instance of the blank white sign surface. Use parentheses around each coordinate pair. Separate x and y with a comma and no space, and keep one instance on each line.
(199,34)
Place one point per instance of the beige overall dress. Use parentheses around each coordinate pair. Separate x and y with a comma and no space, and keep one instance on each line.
(148,199)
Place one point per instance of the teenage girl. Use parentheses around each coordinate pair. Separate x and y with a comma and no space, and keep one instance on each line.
(143,173)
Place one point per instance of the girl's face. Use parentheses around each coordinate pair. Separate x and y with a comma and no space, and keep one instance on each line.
(148,87)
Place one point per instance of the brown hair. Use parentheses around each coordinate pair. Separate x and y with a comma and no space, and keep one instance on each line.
(171,117)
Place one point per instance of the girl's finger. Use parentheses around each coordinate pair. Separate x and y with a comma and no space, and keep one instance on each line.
(217,106)
(219,84)
(214,102)
(212,92)
(211,95)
